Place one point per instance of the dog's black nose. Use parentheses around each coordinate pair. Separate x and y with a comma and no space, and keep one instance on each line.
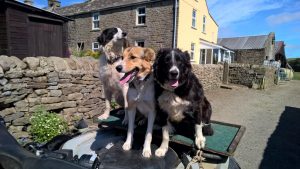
(173,73)
(119,68)
(124,34)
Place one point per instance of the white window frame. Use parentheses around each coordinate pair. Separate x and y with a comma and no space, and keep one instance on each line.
(93,47)
(138,41)
(95,20)
(204,20)
(201,56)
(192,51)
(194,18)
(138,15)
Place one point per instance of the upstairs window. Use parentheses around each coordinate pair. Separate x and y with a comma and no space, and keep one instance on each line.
(141,16)
(140,43)
(194,15)
(204,24)
(95,46)
(96,21)
(192,51)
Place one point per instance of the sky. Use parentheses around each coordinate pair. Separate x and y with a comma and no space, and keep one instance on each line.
(249,17)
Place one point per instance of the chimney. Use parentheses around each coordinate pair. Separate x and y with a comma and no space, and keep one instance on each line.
(28,2)
(53,4)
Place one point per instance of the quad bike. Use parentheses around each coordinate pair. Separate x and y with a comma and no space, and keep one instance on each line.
(102,148)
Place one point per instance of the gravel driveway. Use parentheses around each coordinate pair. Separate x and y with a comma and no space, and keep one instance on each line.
(272,121)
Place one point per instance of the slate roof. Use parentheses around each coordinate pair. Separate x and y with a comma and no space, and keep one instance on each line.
(278,46)
(248,42)
(94,5)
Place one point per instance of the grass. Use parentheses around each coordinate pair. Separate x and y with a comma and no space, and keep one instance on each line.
(296,75)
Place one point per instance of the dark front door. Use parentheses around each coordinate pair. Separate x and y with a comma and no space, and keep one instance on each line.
(45,38)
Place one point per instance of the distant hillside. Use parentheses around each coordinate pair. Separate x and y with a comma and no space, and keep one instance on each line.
(295,63)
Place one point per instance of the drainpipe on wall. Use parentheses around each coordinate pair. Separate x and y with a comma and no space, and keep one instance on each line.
(175,24)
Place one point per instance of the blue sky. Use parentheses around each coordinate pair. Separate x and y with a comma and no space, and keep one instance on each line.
(250,17)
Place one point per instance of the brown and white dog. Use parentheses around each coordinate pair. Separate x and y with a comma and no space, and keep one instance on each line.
(137,66)
(112,42)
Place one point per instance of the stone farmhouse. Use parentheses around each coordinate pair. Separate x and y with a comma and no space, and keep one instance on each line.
(185,24)
(251,49)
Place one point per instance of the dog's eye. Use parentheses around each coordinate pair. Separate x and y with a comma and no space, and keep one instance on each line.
(167,59)
(132,57)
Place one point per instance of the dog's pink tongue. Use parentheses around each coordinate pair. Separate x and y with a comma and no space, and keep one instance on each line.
(123,81)
(174,83)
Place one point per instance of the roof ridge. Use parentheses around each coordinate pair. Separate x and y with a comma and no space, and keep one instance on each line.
(243,36)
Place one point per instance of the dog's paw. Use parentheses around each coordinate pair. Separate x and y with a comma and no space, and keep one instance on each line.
(200,142)
(104,116)
(161,152)
(126,146)
(142,122)
(147,152)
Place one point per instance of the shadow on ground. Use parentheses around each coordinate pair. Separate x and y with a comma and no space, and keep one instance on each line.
(283,148)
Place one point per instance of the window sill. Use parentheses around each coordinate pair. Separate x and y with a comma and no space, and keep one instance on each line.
(204,33)
(193,27)
(95,30)
(139,26)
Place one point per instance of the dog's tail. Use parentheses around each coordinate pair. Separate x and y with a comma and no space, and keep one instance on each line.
(207,130)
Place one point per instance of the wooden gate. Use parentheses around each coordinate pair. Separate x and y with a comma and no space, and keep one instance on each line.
(45,37)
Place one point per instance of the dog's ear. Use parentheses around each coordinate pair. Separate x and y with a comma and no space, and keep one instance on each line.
(126,51)
(187,55)
(149,55)
(102,39)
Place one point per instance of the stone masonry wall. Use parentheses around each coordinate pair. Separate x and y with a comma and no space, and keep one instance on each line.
(157,33)
(253,76)
(68,86)
(250,56)
(210,75)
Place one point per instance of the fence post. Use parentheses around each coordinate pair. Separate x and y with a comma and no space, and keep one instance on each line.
(225,73)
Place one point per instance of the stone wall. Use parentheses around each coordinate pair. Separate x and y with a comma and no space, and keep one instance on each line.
(253,76)
(156,33)
(250,56)
(210,75)
(66,86)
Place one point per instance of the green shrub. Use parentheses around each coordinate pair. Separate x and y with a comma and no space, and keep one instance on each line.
(83,53)
(46,125)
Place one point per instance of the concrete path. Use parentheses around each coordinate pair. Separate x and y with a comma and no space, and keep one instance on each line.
(272,121)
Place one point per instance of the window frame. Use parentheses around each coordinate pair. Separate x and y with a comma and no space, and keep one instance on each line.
(204,22)
(203,57)
(140,15)
(139,41)
(192,54)
(194,19)
(95,20)
(93,48)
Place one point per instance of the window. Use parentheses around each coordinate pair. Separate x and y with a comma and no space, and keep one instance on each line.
(95,46)
(96,21)
(204,24)
(80,46)
(140,43)
(141,16)
(202,56)
(192,51)
(194,15)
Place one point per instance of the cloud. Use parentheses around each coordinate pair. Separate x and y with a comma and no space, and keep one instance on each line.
(232,11)
(282,18)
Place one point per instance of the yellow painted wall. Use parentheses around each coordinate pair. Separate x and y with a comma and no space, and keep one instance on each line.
(186,34)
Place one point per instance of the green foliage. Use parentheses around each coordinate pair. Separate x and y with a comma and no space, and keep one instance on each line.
(94,54)
(84,53)
(296,75)
(295,63)
(114,104)
(46,125)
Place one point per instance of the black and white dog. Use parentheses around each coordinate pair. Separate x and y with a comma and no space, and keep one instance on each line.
(181,101)
(113,43)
